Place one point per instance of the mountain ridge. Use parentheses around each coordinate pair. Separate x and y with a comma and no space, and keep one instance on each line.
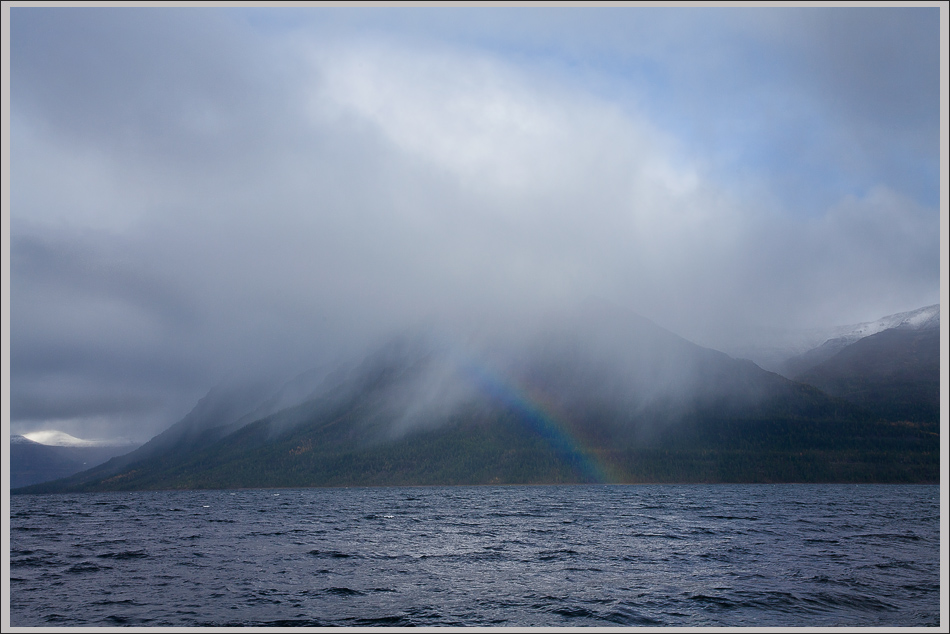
(32,462)
(597,388)
(895,373)
(773,349)
(925,318)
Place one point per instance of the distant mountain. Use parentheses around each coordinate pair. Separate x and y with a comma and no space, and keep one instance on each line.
(223,410)
(894,373)
(919,319)
(598,395)
(927,318)
(56,438)
(32,462)
(791,352)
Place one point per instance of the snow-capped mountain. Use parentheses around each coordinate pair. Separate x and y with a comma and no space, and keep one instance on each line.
(915,320)
(48,455)
(920,319)
(774,351)
(55,438)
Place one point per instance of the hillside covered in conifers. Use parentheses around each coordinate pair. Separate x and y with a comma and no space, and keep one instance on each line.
(625,402)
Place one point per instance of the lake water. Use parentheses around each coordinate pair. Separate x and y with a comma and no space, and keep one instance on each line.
(677,555)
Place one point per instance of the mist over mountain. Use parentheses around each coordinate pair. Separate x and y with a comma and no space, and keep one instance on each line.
(200,194)
(595,394)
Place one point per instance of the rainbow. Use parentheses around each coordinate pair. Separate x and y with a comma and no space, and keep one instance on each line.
(541,418)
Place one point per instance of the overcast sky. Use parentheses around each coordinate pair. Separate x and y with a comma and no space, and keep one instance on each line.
(203,193)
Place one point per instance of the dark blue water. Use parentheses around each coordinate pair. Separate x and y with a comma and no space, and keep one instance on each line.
(691,555)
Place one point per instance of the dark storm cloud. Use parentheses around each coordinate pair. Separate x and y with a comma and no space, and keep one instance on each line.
(68,264)
(147,80)
(202,195)
(82,400)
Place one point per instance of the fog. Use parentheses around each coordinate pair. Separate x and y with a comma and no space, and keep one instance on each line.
(198,196)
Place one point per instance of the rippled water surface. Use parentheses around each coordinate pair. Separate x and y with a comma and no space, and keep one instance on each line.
(690,555)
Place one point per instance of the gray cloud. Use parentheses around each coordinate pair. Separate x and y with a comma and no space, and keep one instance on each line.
(203,194)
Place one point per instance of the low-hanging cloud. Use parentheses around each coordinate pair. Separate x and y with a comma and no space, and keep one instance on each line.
(196,197)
